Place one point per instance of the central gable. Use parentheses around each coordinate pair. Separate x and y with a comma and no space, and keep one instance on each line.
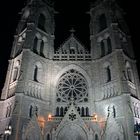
(72,46)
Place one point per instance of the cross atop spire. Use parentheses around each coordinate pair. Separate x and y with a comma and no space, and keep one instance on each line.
(72,31)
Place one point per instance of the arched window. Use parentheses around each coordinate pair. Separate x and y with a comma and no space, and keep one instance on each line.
(36,110)
(35,74)
(114,112)
(96,137)
(129,72)
(42,48)
(15,74)
(48,136)
(8,112)
(78,109)
(61,111)
(57,111)
(87,111)
(102,49)
(102,22)
(41,22)
(65,110)
(31,111)
(109,46)
(16,71)
(83,112)
(35,45)
(38,72)
(108,73)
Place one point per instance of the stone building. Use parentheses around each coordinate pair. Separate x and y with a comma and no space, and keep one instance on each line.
(71,93)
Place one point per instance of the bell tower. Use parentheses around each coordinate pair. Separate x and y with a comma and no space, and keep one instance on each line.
(112,49)
(108,29)
(24,89)
(35,30)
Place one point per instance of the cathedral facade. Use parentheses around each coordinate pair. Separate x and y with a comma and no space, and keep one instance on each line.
(71,93)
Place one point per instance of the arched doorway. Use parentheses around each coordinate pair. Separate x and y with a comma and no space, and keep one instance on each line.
(71,132)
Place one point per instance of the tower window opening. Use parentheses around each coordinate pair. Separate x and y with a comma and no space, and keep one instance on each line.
(108,73)
(15,75)
(35,45)
(42,48)
(102,22)
(129,74)
(102,49)
(41,22)
(8,112)
(109,45)
(31,111)
(35,74)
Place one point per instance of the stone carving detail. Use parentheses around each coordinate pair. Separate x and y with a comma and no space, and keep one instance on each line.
(72,116)
(72,84)
(110,90)
(34,89)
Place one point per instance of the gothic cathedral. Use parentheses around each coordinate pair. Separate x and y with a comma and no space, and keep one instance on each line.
(71,93)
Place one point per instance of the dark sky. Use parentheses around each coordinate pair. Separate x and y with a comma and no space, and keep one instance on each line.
(72,13)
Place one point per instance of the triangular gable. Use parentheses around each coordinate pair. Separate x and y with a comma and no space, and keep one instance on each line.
(72,117)
(72,44)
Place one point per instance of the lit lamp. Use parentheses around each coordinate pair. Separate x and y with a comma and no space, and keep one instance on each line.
(8,131)
(95,117)
(49,117)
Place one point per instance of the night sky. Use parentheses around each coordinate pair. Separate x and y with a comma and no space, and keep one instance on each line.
(72,13)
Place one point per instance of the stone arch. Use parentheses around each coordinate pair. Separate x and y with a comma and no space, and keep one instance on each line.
(31,131)
(16,71)
(45,39)
(33,110)
(76,67)
(71,132)
(114,136)
(96,137)
(117,133)
(36,43)
(107,70)
(99,39)
(129,72)
(102,21)
(41,21)
(38,72)
(67,68)
(38,35)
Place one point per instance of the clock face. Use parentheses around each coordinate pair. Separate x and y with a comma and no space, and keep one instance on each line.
(72,84)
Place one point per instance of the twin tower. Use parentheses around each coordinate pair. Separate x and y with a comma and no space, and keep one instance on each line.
(72,93)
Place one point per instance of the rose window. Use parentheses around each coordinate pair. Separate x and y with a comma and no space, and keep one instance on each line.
(72,84)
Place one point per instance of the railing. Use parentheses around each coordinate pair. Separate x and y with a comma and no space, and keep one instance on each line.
(58,119)
(34,89)
(72,57)
(110,89)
